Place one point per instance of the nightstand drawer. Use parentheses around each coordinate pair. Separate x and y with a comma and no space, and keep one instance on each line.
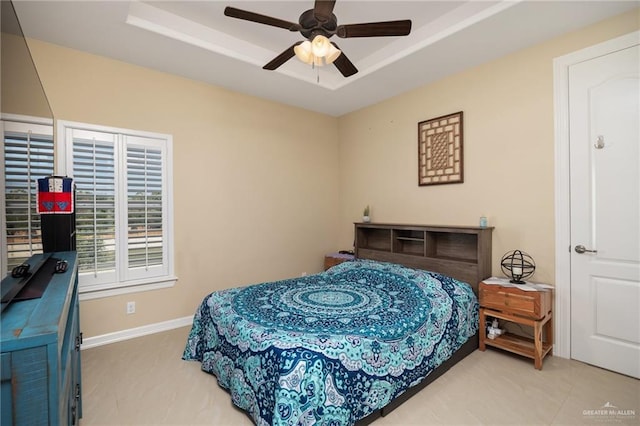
(534,304)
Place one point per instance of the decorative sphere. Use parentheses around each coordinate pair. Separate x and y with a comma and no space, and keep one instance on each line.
(517,265)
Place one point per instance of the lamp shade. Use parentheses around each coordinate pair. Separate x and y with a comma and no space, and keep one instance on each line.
(303,52)
(333,54)
(320,46)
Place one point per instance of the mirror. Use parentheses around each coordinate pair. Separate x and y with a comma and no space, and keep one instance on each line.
(21,91)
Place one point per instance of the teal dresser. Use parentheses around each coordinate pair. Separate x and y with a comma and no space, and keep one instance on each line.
(40,370)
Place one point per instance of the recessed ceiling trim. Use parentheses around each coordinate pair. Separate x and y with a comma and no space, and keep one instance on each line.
(173,26)
(170,25)
(458,19)
(178,28)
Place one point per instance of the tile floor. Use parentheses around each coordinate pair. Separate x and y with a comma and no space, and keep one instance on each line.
(144,381)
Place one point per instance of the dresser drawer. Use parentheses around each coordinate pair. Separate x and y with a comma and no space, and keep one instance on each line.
(530,304)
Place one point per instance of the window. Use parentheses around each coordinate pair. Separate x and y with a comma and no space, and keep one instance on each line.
(123,206)
(27,155)
(124,235)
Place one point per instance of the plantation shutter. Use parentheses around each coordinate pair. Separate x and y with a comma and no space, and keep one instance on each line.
(146,206)
(28,155)
(94,173)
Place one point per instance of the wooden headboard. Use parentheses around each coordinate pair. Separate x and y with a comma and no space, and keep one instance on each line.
(462,252)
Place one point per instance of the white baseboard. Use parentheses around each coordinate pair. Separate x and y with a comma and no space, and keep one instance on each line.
(132,333)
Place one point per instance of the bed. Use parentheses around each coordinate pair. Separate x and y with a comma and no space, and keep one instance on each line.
(342,347)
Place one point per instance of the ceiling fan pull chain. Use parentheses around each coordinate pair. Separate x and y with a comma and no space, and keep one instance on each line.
(317,68)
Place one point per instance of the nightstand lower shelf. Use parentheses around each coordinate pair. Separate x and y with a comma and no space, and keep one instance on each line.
(535,348)
(518,344)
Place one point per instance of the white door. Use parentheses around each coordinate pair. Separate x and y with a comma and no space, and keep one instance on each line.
(604,128)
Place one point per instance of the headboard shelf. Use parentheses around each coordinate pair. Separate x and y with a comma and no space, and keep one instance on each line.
(458,251)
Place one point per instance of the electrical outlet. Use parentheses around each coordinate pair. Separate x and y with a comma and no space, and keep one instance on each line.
(131,307)
(304,274)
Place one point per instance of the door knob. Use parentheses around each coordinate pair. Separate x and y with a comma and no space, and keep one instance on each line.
(581,249)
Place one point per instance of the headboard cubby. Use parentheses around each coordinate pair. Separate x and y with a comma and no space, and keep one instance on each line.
(462,252)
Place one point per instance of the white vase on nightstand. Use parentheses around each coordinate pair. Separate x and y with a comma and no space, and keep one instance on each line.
(366,219)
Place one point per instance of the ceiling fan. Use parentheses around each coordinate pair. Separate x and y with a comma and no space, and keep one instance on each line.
(317,25)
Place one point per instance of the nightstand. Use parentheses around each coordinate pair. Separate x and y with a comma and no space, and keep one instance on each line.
(333,259)
(530,308)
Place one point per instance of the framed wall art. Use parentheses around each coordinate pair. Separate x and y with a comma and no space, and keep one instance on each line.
(440,150)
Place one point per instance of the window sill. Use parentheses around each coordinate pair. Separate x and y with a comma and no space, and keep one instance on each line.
(115,289)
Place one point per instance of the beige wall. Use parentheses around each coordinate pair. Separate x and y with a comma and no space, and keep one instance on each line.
(255,194)
(508,150)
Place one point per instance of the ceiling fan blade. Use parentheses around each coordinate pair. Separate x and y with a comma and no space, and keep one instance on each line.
(344,65)
(375,29)
(324,7)
(281,58)
(261,19)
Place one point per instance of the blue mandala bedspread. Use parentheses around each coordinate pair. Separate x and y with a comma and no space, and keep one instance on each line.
(330,348)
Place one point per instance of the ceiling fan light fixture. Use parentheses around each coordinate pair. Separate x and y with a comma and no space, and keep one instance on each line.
(333,54)
(320,46)
(303,52)
(318,52)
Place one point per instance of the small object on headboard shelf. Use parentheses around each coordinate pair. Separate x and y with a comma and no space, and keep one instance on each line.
(366,216)
(462,252)
(483,222)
